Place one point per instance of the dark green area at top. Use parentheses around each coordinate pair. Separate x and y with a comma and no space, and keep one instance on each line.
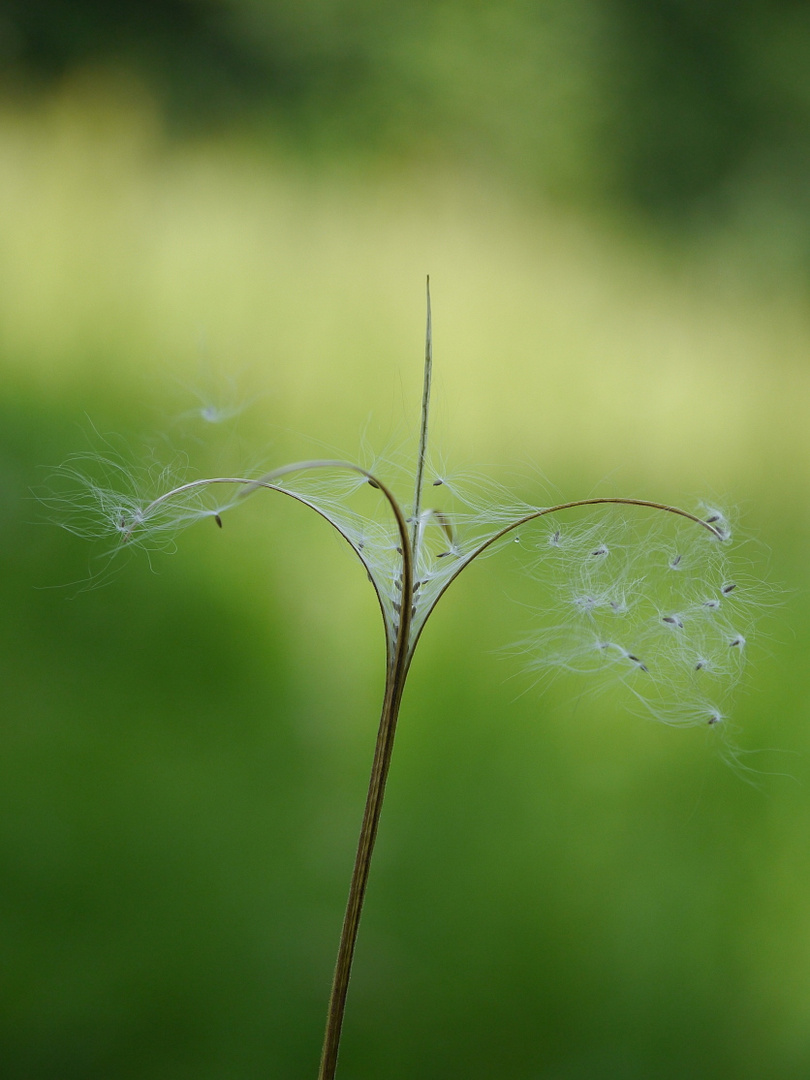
(675,108)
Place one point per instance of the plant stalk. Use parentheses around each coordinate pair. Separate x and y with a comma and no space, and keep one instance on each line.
(398,662)
(423,429)
(395,682)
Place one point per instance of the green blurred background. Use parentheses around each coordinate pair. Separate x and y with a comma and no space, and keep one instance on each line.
(233,204)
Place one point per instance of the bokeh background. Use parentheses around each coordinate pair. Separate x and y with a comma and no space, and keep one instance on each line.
(224,210)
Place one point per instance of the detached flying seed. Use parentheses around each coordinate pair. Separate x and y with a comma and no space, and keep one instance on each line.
(446,524)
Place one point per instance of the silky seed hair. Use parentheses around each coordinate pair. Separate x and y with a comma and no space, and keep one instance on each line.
(652,607)
(609,580)
(626,591)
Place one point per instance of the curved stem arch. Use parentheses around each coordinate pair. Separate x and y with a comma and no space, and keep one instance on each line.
(543,512)
(268,483)
(404,623)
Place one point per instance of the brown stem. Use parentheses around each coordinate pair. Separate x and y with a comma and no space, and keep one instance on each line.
(395,683)
(397,662)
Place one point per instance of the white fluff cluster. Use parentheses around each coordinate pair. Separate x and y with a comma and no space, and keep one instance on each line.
(643,595)
(102,496)
(649,598)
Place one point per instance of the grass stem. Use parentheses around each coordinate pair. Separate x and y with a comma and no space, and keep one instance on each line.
(368,834)
(423,431)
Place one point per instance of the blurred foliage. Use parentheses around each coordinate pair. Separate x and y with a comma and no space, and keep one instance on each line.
(681,110)
(561,891)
